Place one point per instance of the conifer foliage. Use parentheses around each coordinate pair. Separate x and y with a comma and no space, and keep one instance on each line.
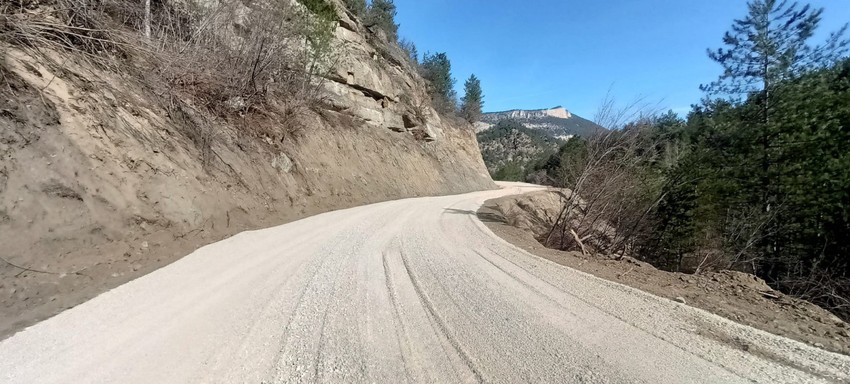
(381,14)
(437,70)
(473,100)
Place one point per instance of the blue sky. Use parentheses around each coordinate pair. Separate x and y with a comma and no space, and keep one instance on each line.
(541,53)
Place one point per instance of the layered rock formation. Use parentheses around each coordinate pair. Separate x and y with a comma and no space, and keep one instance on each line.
(375,82)
(559,112)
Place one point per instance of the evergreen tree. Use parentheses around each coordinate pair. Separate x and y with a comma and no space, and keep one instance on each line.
(437,70)
(410,49)
(324,10)
(381,14)
(770,45)
(766,48)
(358,7)
(812,168)
(473,99)
(801,245)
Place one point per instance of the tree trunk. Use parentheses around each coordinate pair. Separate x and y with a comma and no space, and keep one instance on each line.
(767,192)
(147,21)
(765,140)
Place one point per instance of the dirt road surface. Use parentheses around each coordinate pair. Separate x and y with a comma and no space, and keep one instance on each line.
(414,290)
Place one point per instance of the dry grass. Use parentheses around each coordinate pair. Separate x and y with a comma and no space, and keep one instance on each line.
(209,67)
(230,58)
(64,25)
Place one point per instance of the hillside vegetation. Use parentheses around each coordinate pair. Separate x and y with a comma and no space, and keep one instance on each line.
(517,144)
(755,180)
(510,149)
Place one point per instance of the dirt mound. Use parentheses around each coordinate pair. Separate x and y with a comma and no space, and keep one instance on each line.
(740,280)
(534,211)
(737,296)
(538,211)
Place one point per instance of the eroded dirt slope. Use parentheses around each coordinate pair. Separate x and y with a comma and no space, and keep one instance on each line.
(103,180)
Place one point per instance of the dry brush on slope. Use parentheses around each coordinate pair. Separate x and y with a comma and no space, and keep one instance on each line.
(611,193)
(226,57)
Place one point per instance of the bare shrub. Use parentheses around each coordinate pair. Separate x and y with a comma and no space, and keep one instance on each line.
(611,194)
(196,126)
(275,56)
(268,59)
(66,25)
(613,188)
(734,244)
(743,231)
(612,114)
(234,59)
(229,58)
(829,290)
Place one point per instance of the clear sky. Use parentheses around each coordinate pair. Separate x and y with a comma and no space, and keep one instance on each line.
(540,53)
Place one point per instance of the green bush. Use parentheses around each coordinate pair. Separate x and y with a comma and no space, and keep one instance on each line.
(321,8)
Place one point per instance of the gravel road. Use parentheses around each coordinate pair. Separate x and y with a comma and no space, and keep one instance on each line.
(414,290)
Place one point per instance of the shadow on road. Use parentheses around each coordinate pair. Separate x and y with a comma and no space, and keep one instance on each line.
(486,215)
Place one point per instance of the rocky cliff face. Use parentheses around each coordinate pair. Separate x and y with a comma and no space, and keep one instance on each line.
(375,82)
(558,112)
(554,122)
(102,182)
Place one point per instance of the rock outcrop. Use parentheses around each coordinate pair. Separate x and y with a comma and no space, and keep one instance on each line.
(559,112)
(375,82)
(554,122)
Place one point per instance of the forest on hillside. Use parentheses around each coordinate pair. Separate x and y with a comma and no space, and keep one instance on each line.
(756,178)
(510,149)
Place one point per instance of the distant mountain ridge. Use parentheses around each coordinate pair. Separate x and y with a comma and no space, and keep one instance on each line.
(559,112)
(555,122)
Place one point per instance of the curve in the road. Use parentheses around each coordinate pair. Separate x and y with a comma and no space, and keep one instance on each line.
(414,290)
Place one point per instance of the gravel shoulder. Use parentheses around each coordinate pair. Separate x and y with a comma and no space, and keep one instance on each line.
(740,297)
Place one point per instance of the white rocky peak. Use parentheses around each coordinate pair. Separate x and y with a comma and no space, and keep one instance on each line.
(559,112)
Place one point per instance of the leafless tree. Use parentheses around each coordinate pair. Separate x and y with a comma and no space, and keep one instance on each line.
(606,202)
(611,196)
(612,114)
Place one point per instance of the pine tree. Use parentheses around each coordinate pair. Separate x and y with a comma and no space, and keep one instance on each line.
(410,49)
(437,70)
(768,46)
(381,13)
(473,99)
(358,7)
(771,45)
